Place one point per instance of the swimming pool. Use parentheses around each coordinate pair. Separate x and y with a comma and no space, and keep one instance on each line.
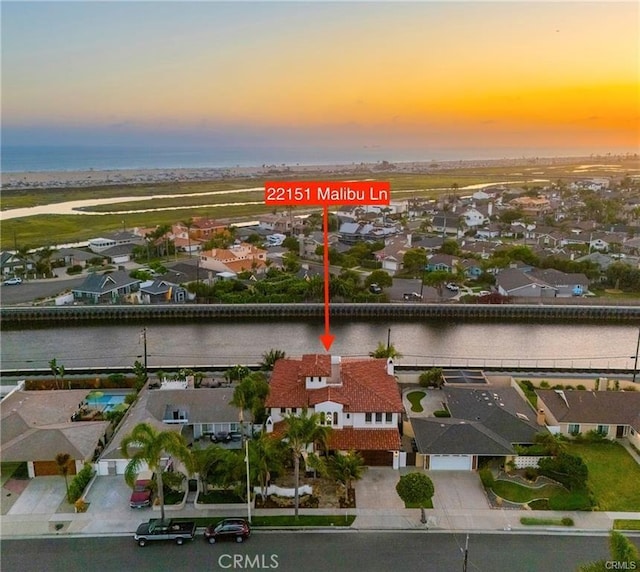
(106,401)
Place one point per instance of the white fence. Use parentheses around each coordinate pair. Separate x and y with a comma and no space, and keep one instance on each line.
(282,492)
(524,462)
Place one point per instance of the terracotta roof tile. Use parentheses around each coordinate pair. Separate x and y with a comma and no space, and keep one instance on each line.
(364,439)
(366,386)
(315,365)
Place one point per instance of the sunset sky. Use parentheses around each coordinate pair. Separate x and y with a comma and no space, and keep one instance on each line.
(558,77)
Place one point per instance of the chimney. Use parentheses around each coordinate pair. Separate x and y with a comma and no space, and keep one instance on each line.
(390,368)
(603,384)
(540,419)
(409,238)
(490,209)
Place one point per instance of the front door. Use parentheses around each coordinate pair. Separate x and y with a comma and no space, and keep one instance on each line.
(619,431)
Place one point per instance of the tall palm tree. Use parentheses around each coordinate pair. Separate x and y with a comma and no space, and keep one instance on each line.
(145,445)
(62,461)
(266,455)
(203,462)
(385,351)
(302,431)
(270,358)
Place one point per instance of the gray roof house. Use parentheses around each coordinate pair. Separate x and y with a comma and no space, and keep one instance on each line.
(483,422)
(36,425)
(614,414)
(516,282)
(195,413)
(106,288)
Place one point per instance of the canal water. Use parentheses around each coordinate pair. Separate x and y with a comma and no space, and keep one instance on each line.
(427,343)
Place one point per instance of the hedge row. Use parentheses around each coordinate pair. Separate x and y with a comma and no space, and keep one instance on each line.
(80,482)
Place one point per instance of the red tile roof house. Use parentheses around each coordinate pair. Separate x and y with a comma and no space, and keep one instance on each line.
(359,399)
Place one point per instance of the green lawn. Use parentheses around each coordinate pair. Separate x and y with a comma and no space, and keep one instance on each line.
(626,524)
(546,521)
(515,492)
(414,398)
(416,505)
(282,520)
(6,470)
(613,475)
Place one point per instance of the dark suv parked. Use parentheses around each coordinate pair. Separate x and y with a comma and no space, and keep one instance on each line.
(228,529)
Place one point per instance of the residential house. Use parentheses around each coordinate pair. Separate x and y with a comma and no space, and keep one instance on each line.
(101,244)
(106,288)
(492,230)
(473,217)
(354,232)
(12,264)
(36,425)
(238,258)
(516,282)
(391,256)
(119,254)
(565,284)
(442,263)
(472,269)
(613,414)
(72,256)
(358,398)
(204,228)
(446,223)
(195,413)
(162,291)
(484,422)
(534,206)
(280,223)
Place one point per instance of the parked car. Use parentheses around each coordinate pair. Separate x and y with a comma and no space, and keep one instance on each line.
(142,490)
(221,437)
(452,287)
(156,529)
(375,289)
(236,529)
(14,281)
(412,296)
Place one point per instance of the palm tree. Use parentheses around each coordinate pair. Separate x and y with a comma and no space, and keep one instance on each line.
(145,445)
(347,468)
(385,351)
(266,455)
(250,393)
(203,462)
(303,430)
(62,460)
(270,358)
(53,364)
(62,371)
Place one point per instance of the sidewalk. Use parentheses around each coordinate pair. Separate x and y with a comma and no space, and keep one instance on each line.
(125,521)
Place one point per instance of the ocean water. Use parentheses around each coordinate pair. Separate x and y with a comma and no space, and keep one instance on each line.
(84,158)
(25,158)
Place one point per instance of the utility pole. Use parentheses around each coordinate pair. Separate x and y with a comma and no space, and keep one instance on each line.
(388,339)
(466,554)
(144,340)
(635,363)
(246,458)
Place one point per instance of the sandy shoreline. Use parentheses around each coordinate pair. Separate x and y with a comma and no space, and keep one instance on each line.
(90,178)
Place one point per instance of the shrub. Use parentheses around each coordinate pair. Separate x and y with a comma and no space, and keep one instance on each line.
(486,477)
(431,378)
(80,482)
(527,384)
(544,385)
(441,413)
(567,521)
(75,269)
(581,387)
(530,474)
(570,470)
(556,386)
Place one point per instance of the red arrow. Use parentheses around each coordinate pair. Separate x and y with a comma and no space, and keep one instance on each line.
(326,338)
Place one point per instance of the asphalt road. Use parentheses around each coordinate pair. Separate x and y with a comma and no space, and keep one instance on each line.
(312,552)
(30,291)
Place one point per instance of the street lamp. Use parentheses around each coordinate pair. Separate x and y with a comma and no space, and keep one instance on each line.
(246,459)
(635,362)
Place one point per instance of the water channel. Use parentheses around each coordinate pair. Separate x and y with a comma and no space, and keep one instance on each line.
(459,344)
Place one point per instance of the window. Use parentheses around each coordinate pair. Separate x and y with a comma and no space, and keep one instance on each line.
(603,430)
(283,410)
(294,410)
(378,417)
(327,418)
(367,417)
(574,428)
(335,417)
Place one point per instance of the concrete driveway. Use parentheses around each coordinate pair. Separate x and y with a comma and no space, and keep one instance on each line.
(110,494)
(43,495)
(457,490)
(377,489)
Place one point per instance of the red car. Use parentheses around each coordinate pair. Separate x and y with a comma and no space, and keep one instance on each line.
(142,490)
(236,529)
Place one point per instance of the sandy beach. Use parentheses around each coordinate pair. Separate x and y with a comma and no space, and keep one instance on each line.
(90,178)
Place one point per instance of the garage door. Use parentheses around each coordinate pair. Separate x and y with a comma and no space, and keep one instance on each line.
(450,462)
(377,458)
(49,468)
